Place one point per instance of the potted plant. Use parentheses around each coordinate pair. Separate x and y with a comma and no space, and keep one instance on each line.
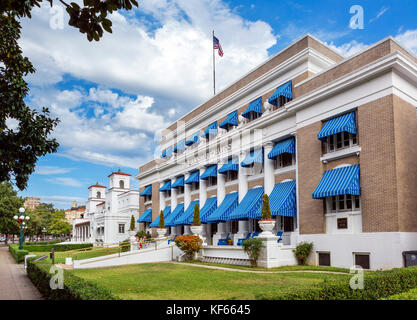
(196,227)
(131,230)
(266,223)
(302,252)
(161,228)
(253,248)
(229,242)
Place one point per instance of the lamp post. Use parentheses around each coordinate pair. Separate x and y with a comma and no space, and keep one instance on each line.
(43,233)
(22,225)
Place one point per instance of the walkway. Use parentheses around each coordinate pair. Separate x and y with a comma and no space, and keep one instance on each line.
(14,283)
(254,271)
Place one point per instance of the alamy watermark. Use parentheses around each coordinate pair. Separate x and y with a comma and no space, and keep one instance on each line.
(357,280)
(357,20)
(57,280)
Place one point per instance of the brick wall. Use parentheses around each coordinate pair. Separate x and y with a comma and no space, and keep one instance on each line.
(155,204)
(285,176)
(352,160)
(310,171)
(233,188)
(255,183)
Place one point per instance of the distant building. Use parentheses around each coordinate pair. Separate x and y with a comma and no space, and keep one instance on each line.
(76,212)
(32,202)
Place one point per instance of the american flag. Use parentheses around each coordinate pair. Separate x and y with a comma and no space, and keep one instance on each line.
(216,45)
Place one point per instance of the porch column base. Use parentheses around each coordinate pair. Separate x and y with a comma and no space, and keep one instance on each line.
(269,254)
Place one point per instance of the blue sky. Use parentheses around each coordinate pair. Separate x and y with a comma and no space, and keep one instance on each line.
(114,97)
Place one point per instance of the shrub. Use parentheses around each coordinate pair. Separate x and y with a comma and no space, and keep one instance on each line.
(58,247)
(161,220)
(253,248)
(132,223)
(75,288)
(378,285)
(189,244)
(266,209)
(125,245)
(18,255)
(302,252)
(408,295)
(196,216)
(142,234)
(41,242)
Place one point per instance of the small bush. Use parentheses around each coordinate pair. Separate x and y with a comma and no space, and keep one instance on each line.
(253,248)
(58,247)
(189,244)
(125,245)
(132,223)
(75,288)
(41,242)
(378,285)
(18,255)
(266,209)
(302,252)
(161,220)
(142,234)
(196,216)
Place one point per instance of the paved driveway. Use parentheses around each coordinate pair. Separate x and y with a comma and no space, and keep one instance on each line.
(14,283)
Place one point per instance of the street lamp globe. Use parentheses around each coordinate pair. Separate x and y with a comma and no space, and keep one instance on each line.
(21,210)
(27,217)
(22,217)
(15,217)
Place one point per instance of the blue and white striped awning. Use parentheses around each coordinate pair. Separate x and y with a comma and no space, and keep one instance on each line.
(254,156)
(188,214)
(339,181)
(231,120)
(231,165)
(178,183)
(208,209)
(195,138)
(194,177)
(211,130)
(166,186)
(147,191)
(282,199)
(167,212)
(286,146)
(180,146)
(146,216)
(210,172)
(282,91)
(254,106)
(169,152)
(223,211)
(345,123)
(250,206)
(178,211)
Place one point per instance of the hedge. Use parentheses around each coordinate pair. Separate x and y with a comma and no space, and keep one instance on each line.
(75,288)
(41,242)
(377,285)
(18,255)
(409,295)
(58,247)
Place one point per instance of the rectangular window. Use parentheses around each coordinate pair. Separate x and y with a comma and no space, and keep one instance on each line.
(212,181)
(288,224)
(234,227)
(362,260)
(121,228)
(195,186)
(253,116)
(343,203)
(282,101)
(168,193)
(342,223)
(213,228)
(180,190)
(324,259)
(231,175)
(284,160)
(339,141)
(148,198)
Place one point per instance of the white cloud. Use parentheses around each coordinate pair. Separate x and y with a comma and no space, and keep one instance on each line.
(349,49)
(172,60)
(47,170)
(379,14)
(69,182)
(61,201)
(409,40)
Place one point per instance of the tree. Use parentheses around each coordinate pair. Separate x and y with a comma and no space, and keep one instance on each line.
(196,216)
(132,223)
(161,220)
(58,225)
(9,207)
(21,147)
(266,209)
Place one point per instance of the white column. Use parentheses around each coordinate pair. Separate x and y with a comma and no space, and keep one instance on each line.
(203,193)
(243,227)
(174,203)
(269,179)
(161,198)
(221,193)
(187,193)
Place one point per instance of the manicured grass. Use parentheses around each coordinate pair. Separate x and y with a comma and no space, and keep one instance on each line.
(60,256)
(172,281)
(409,295)
(283,268)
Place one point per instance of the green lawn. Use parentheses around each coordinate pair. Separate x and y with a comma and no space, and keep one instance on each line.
(171,281)
(60,256)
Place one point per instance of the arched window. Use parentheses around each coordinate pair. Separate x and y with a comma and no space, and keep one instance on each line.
(122,184)
(98,194)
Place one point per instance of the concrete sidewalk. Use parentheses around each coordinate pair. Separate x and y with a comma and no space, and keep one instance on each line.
(14,283)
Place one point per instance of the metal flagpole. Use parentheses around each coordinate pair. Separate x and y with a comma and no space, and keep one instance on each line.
(214,67)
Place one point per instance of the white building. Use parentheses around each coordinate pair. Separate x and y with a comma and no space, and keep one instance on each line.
(108,213)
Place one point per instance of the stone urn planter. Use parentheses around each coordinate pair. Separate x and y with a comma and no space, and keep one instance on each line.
(266,227)
(197,230)
(161,232)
